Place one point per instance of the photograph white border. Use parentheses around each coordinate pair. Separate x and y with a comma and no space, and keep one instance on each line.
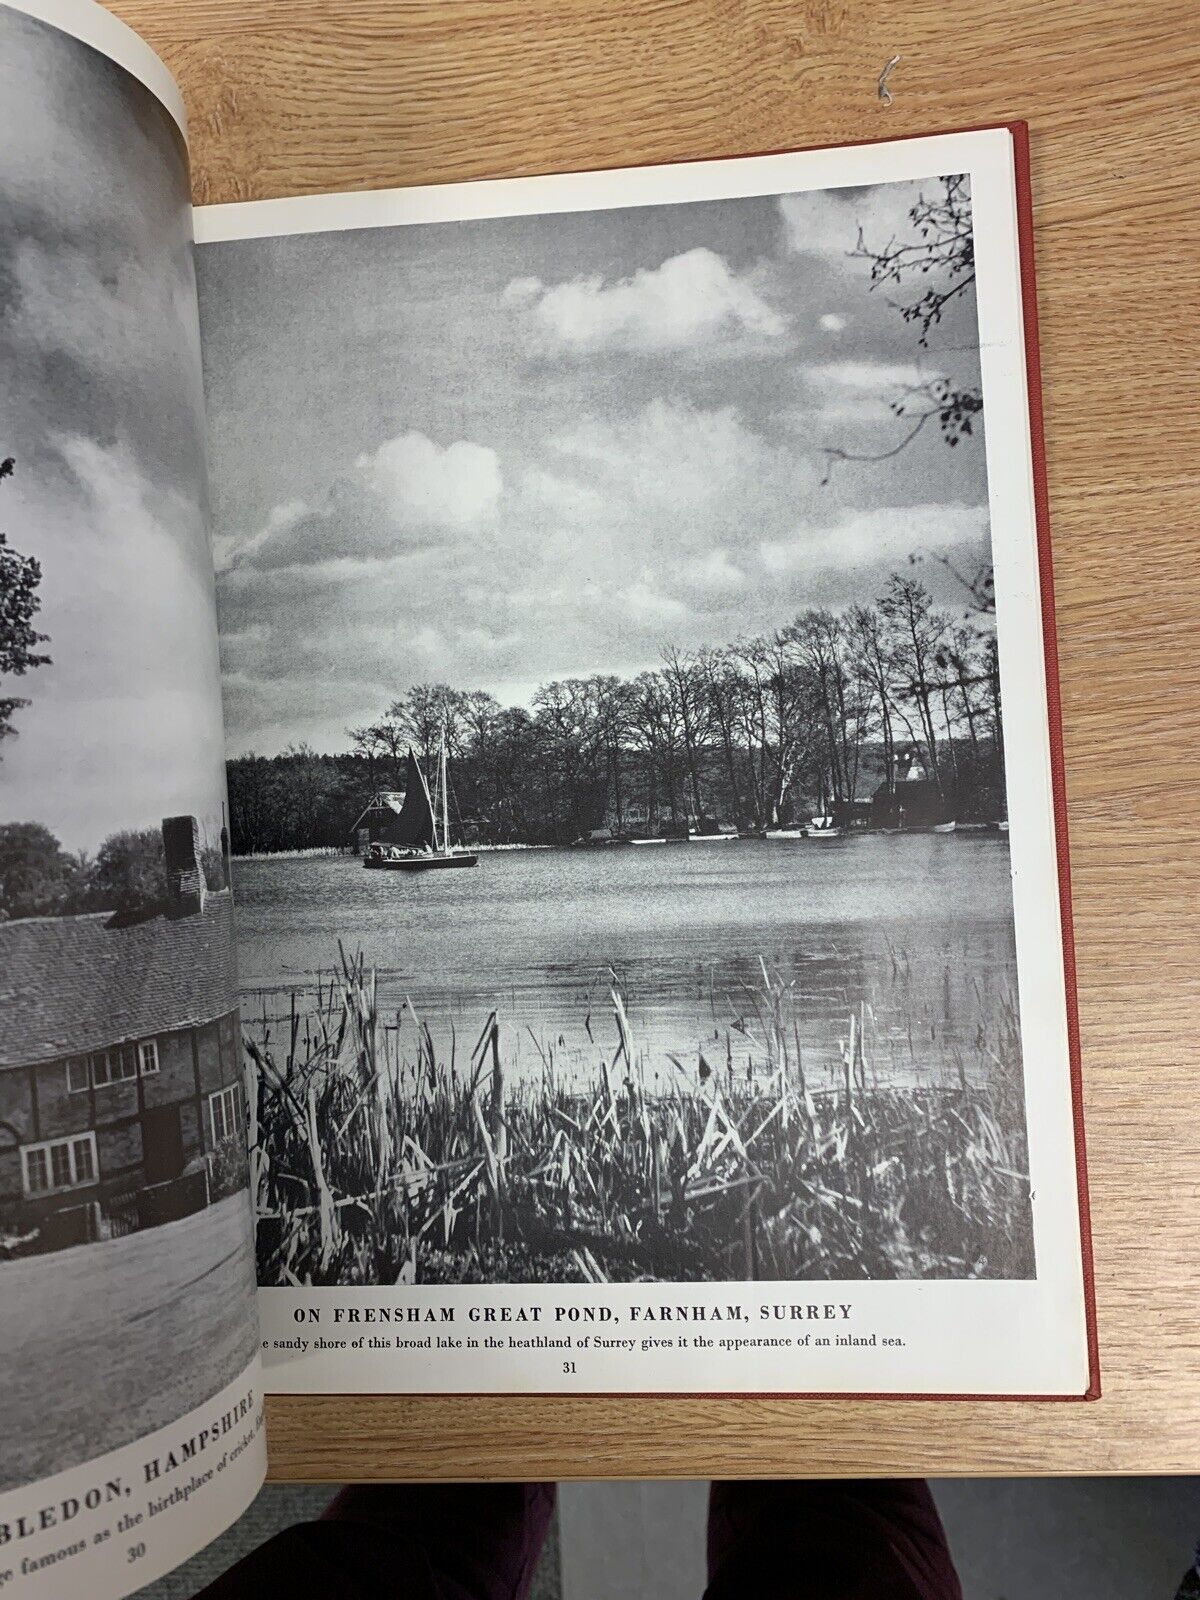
(970,1337)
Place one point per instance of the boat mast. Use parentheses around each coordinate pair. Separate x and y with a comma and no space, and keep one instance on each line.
(445,797)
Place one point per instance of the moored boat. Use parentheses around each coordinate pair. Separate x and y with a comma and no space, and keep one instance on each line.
(414,845)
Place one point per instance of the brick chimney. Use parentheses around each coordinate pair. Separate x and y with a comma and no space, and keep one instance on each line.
(186,888)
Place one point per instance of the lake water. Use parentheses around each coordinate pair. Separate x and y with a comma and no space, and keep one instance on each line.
(911,932)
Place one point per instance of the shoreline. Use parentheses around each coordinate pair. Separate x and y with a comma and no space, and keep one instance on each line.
(333,851)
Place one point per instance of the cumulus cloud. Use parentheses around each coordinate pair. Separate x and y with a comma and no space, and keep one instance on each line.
(125,723)
(682,470)
(868,376)
(880,534)
(563,497)
(670,522)
(689,299)
(99,356)
(114,155)
(630,529)
(98,329)
(859,391)
(652,604)
(827,222)
(641,495)
(717,571)
(405,496)
(423,484)
(110,315)
(230,548)
(523,292)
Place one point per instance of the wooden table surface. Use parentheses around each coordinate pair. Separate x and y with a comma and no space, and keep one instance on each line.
(292,96)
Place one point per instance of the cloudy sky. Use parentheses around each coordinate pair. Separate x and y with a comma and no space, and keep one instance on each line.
(101,405)
(497,452)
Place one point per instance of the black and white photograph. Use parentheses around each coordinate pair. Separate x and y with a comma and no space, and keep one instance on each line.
(126,1266)
(636,564)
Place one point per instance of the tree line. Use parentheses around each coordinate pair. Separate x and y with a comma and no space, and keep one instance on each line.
(39,878)
(820,713)
(20,578)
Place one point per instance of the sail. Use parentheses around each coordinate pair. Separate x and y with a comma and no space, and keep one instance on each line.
(414,825)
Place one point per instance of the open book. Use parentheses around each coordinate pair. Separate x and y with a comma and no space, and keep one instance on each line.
(598,630)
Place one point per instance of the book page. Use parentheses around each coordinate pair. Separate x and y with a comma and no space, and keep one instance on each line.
(640,780)
(131,1406)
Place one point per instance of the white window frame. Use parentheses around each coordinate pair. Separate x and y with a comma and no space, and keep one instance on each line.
(122,1063)
(81,1064)
(46,1147)
(229,1102)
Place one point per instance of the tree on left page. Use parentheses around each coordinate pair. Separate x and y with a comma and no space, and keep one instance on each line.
(130,1410)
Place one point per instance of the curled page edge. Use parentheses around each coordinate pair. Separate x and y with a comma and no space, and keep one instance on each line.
(91,24)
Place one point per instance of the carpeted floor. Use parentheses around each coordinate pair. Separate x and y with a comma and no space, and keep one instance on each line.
(278,1506)
(1013,1539)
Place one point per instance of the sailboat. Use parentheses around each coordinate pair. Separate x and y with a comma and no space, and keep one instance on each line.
(413,843)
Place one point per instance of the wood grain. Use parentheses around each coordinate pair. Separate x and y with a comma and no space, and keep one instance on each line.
(294,96)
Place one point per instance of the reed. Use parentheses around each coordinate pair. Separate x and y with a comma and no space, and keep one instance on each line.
(380,1160)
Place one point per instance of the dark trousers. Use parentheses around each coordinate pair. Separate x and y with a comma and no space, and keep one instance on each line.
(835,1540)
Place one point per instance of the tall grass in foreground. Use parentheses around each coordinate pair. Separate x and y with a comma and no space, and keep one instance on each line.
(378,1160)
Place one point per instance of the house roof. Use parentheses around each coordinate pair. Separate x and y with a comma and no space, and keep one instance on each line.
(385,800)
(70,984)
